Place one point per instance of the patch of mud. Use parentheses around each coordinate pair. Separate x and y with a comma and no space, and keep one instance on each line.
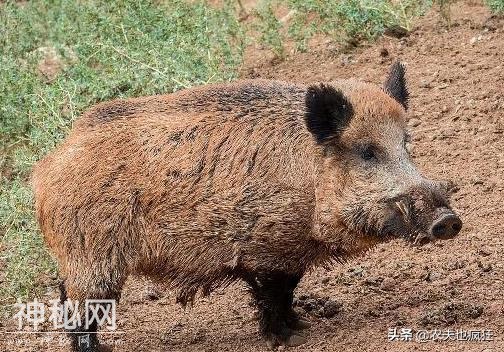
(450,313)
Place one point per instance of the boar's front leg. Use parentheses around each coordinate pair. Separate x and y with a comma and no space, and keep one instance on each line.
(293,320)
(278,323)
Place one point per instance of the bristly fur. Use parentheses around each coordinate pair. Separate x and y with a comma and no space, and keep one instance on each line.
(395,85)
(205,186)
(328,111)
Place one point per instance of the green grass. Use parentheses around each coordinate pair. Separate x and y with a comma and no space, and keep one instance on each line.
(350,21)
(268,26)
(105,50)
(496,6)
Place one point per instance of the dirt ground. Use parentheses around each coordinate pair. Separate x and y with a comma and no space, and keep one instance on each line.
(457,119)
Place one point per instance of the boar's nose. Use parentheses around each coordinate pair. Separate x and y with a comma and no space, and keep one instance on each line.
(447,225)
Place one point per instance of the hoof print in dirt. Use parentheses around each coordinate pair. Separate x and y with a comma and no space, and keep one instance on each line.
(451,313)
(321,307)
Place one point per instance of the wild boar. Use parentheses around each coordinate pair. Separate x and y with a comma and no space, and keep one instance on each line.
(255,180)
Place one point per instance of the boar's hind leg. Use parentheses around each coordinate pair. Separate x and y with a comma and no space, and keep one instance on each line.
(85,339)
(277,320)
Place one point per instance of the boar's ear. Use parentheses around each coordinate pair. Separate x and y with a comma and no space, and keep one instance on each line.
(328,111)
(395,85)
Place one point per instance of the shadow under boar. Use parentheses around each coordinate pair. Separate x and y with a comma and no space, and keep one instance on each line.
(254,180)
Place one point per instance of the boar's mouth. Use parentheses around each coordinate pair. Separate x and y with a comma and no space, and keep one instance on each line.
(418,220)
(424,219)
(428,217)
(383,221)
(415,234)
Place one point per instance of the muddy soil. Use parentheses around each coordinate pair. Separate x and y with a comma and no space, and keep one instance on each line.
(457,119)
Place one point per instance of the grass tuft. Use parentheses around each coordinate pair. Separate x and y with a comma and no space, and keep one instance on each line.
(348,21)
(269,28)
(496,6)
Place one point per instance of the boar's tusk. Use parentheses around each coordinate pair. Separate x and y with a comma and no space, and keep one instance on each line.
(403,209)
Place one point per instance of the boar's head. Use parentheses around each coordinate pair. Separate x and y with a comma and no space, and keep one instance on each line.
(375,188)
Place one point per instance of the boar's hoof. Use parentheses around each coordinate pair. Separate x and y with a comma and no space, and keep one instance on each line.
(299,324)
(295,340)
(289,341)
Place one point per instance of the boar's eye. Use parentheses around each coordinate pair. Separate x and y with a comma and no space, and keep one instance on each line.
(368,152)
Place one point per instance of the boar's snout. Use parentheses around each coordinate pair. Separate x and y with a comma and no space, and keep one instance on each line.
(426,214)
(446,225)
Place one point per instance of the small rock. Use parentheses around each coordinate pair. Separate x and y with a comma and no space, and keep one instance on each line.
(475,39)
(424,83)
(456,265)
(375,313)
(346,59)
(322,300)
(310,304)
(444,109)
(492,23)
(485,267)
(151,294)
(320,312)
(433,276)
(475,311)
(356,271)
(387,284)
(452,187)
(303,297)
(331,308)
(414,122)
(373,281)
(483,252)
(475,181)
